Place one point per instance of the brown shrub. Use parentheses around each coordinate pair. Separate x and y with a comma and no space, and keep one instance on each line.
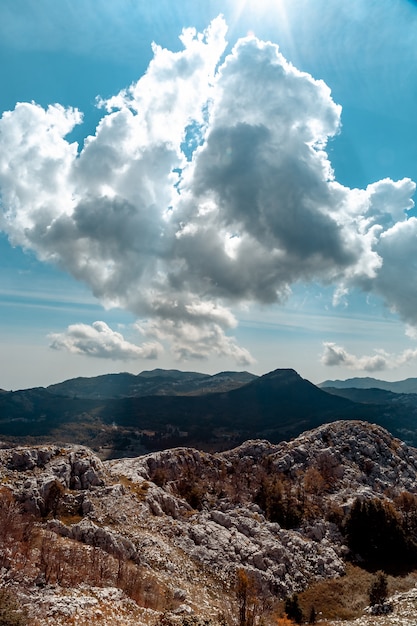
(346,597)
(139,489)
(16,532)
(11,613)
(338,598)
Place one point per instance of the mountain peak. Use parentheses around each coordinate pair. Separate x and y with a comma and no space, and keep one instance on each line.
(285,373)
(282,371)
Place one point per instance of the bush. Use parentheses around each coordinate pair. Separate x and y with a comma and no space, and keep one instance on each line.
(53,498)
(378,590)
(284,621)
(342,598)
(193,493)
(276,498)
(159,477)
(11,613)
(375,534)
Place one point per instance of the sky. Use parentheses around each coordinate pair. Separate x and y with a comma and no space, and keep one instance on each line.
(207,186)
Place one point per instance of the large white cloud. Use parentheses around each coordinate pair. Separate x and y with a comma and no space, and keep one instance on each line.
(99,340)
(195,331)
(336,356)
(206,184)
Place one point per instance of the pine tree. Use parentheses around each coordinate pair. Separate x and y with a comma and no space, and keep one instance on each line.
(293,609)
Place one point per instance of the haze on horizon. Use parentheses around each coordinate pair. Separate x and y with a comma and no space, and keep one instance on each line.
(210,188)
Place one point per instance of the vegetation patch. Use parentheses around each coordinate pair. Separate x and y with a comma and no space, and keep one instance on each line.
(139,489)
(345,598)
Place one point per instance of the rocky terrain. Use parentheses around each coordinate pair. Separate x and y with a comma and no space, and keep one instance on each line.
(165,537)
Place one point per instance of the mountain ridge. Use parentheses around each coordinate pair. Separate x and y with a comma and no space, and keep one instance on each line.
(408,385)
(149,382)
(278,405)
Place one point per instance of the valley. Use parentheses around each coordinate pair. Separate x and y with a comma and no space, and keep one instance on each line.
(126,415)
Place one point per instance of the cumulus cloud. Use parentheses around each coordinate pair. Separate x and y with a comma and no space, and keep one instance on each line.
(336,356)
(99,340)
(206,184)
(197,341)
(396,280)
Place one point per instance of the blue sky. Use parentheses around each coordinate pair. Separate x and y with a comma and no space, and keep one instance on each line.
(241,198)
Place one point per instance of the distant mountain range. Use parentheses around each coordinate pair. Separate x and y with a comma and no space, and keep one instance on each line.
(126,415)
(409,385)
(150,383)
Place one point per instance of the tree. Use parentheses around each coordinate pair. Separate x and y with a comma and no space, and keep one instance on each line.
(279,502)
(247,598)
(293,609)
(406,503)
(378,590)
(374,532)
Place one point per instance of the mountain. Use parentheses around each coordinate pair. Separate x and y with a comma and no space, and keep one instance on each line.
(148,383)
(409,385)
(368,396)
(279,405)
(175,537)
(36,412)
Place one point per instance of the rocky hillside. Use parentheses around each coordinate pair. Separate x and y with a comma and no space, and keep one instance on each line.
(168,537)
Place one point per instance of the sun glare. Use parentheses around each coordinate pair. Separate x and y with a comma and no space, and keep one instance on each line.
(260,7)
(276,13)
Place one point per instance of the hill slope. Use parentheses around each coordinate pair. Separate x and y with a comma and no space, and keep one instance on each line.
(108,537)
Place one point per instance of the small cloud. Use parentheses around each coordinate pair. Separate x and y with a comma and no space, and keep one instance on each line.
(336,356)
(100,341)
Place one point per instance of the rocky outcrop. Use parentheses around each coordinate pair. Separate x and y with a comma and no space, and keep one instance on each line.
(44,478)
(350,459)
(104,538)
(282,561)
(355,457)
(192,519)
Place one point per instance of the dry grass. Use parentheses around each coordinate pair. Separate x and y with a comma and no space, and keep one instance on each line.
(71,519)
(139,489)
(345,598)
(339,598)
